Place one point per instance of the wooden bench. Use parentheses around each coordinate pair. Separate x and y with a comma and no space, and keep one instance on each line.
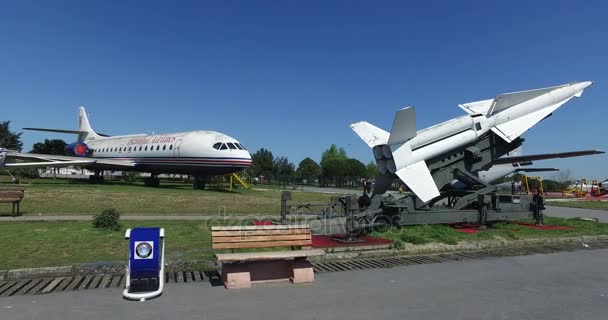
(241,269)
(12,195)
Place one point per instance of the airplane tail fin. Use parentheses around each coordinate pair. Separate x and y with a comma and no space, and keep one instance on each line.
(84,126)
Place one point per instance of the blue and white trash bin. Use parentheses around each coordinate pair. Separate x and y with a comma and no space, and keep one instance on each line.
(145,274)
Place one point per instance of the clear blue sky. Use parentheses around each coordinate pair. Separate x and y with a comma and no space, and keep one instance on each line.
(292,75)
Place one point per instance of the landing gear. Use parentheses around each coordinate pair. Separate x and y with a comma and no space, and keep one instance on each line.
(152,181)
(96,178)
(199,183)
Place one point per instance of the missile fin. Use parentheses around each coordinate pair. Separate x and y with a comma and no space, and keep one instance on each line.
(404,126)
(509,131)
(477,107)
(370,134)
(418,178)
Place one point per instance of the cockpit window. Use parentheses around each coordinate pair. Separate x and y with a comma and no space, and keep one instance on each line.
(242,147)
(217,145)
(231,146)
(223,147)
(238,146)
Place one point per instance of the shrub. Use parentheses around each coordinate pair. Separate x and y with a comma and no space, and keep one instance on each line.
(109,219)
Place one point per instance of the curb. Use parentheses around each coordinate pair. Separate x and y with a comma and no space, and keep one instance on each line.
(431,248)
(437,248)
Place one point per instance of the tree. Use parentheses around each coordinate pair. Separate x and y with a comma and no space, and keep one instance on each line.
(283,170)
(355,170)
(564,179)
(53,146)
(9,139)
(333,165)
(371,170)
(308,170)
(262,163)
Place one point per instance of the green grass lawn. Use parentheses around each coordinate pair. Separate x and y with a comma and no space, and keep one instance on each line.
(600,205)
(40,244)
(422,234)
(48,196)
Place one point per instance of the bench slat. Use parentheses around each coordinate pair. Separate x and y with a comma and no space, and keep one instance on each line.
(262,238)
(262,244)
(249,256)
(258,232)
(272,227)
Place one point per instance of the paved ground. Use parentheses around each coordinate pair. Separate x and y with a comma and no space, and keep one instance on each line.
(138,217)
(602,215)
(563,212)
(571,285)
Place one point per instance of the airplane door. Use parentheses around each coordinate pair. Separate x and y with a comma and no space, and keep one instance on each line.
(178,145)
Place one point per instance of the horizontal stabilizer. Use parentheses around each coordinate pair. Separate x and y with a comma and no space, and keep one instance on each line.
(545,156)
(511,130)
(404,126)
(370,134)
(57,130)
(418,178)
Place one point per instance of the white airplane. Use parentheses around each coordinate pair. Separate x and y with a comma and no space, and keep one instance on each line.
(404,151)
(197,153)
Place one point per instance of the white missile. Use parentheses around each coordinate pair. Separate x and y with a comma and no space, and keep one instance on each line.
(404,150)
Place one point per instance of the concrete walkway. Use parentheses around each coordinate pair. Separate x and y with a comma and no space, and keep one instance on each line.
(562,212)
(138,217)
(568,285)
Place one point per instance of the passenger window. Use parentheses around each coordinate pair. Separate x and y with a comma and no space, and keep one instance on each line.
(129,149)
(146,148)
(158,147)
(164,146)
(171,147)
(223,147)
(217,145)
(231,146)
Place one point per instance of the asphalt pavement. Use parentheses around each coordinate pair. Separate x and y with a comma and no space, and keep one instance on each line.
(568,285)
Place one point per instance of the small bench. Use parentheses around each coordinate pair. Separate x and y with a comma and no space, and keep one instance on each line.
(12,195)
(241,269)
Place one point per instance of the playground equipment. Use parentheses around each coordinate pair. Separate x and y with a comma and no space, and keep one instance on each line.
(145,274)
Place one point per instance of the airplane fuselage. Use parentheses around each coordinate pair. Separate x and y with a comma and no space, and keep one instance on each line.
(201,153)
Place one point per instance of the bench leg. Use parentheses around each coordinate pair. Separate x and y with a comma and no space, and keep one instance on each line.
(302,272)
(236,276)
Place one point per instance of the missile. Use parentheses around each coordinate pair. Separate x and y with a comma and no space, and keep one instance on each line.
(403,151)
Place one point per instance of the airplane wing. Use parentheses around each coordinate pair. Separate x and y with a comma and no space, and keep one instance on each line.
(536,169)
(45,161)
(528,158)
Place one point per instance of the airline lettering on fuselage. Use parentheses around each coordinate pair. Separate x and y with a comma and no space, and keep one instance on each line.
(151,139)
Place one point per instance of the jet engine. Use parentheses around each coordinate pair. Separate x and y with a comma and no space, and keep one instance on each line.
(78,149)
